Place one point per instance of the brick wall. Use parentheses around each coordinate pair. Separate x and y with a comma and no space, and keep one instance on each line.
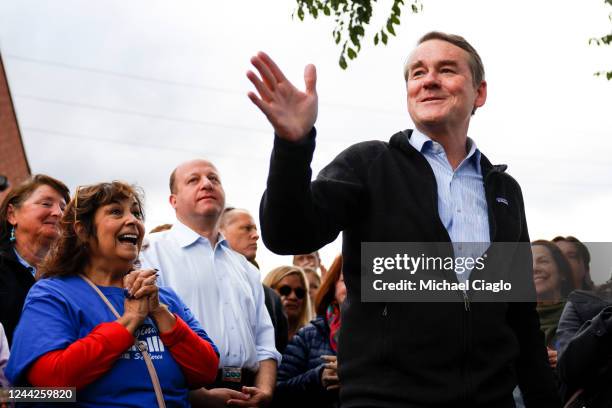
(13,160)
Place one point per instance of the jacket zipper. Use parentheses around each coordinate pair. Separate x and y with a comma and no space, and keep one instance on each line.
(466,301)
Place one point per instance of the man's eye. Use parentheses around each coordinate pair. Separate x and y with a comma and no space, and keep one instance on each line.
(418,73)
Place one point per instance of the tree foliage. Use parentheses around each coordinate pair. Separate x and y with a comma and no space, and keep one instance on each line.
(352,17)
(604,40)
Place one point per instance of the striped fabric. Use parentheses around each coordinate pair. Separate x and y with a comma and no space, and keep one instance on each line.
(461,196)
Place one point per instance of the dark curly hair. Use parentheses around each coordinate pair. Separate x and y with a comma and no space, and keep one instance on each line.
(71,252)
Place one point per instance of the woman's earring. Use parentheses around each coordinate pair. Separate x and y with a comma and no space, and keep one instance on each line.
(12,238)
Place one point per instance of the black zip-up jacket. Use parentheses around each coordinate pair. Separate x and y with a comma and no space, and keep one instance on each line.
(15,282)
(407,355)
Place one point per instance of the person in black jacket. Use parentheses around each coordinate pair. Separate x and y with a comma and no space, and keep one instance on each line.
(585,346)
(29,218)
(409,354)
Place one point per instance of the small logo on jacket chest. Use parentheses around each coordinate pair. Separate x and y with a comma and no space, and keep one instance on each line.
(502,200)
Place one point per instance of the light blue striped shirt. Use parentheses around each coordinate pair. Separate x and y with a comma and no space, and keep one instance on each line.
(462,203)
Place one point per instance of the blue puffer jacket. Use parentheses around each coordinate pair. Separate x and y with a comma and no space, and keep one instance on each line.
(299,375)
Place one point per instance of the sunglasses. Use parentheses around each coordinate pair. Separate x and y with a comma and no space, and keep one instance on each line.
(286,291)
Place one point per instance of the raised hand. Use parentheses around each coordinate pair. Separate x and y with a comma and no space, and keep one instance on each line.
(291,112)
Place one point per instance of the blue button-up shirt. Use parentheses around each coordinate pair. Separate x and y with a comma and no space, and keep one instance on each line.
(222,289)
(462,204)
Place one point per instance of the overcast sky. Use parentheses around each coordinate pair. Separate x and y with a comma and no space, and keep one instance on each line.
(128,89)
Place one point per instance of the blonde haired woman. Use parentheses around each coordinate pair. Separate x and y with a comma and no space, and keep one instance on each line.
(292,286)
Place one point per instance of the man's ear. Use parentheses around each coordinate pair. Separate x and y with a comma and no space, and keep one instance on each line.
(172,200)
(481,94)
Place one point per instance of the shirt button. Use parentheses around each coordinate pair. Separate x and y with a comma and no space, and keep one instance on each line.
(459,210)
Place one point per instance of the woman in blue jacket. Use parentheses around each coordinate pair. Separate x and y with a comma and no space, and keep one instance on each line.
(308,376)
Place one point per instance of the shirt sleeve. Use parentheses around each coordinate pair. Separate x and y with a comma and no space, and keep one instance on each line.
(48,318)
(84,361)
(264,335)
(197,357)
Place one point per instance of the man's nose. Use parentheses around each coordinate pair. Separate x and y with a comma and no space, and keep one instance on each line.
(431,80)
(207,184)
(255,235)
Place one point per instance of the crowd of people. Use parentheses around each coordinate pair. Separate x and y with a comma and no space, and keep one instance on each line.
(181,317)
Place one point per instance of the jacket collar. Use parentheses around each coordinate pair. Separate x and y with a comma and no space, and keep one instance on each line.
(400,141)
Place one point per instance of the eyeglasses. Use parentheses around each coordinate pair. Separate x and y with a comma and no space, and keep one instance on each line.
(286,291)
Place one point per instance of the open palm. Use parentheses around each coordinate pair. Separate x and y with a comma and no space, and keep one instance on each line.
(291,112)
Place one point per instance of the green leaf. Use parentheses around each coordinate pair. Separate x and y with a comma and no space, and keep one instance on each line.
(395,20)
(351,53)
(354,37)
(300,14)
(326,11)
(376,39)
(390,27)
(384,37)
(337,37)
(342,63)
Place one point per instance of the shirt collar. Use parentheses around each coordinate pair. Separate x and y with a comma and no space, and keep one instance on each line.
(24,262)
(185,236)
(422,143)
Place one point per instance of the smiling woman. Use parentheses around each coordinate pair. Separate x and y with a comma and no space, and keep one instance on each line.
(101,317)
(552,280)
(29,224)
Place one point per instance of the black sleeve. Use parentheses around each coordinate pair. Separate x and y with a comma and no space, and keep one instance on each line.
(588,354)
(535,376)
(279,319)
(569,324)
(298,216)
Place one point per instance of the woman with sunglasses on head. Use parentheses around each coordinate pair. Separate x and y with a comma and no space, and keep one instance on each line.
(95,323)
(292,286)
(29,224)
(308,374)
